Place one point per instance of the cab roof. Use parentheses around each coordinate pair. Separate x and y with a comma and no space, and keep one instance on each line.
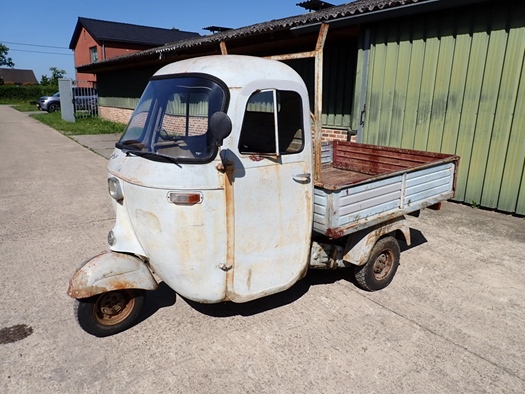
(234,70)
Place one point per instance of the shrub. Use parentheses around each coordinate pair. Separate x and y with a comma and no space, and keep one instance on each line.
(13,93)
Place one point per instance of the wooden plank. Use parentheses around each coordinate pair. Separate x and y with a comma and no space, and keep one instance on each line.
(487,106)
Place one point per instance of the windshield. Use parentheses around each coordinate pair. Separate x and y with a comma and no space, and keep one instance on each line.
(171,119)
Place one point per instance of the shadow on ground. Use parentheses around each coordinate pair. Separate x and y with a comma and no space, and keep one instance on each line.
(164,296)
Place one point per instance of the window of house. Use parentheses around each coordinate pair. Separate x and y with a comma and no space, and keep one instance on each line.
(273,123)
(94,54)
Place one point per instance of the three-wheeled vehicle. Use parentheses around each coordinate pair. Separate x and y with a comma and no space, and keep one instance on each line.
(212,184)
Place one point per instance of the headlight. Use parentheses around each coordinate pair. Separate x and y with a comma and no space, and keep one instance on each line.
(115,190)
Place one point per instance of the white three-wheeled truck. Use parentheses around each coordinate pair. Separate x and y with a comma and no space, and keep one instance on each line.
(215,193)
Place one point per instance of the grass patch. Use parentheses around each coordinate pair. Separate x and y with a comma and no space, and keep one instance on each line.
(80,126)
(22,106)
(26,107)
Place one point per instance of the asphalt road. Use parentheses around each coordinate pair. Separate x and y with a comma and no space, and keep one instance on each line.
(452,321)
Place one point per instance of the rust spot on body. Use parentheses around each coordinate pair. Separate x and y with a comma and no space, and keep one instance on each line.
(335,233)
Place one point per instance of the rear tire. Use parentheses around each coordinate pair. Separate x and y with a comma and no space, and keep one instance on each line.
(110,313)
(381,266)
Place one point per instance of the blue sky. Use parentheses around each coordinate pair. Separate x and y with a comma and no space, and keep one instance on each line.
(44,26)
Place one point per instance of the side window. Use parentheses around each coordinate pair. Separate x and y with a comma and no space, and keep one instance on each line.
(273,123)
(93,53)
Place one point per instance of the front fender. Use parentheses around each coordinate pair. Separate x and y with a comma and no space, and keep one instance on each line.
(111,271)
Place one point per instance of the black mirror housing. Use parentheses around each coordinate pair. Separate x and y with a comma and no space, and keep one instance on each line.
(220,126)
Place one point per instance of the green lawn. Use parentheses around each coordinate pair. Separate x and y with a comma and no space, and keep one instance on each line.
(80,126)
(25,107)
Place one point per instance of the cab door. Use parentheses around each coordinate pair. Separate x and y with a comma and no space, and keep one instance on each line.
(273,189)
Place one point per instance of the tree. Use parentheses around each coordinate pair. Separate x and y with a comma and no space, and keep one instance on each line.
(56,74)
(4,59)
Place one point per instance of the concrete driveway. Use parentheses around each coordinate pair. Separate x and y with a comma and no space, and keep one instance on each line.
(452,321)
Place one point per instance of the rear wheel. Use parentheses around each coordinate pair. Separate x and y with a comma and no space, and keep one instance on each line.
(381,266)
(110,313)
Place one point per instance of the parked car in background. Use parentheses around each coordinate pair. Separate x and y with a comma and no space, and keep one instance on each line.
(49,103)
(86,99)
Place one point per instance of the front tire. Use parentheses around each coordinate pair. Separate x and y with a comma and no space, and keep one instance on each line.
(53,107)
(379,270)
(110,313)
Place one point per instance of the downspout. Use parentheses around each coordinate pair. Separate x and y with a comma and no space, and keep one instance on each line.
(364,77)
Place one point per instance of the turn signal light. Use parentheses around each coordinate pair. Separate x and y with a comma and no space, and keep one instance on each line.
(190,198)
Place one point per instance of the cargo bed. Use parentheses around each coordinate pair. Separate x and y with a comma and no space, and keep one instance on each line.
(361,185)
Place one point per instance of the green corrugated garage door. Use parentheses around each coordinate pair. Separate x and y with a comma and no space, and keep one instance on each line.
(454,83)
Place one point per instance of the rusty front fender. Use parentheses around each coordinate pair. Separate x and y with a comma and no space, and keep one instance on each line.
(110,271)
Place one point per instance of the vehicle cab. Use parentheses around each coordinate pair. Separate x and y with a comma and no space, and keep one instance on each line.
(217,219)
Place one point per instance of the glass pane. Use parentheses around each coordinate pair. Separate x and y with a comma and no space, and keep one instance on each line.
(172,118)
(258,126)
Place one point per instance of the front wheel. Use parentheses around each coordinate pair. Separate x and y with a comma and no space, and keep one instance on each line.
(53,107)
(381,266)
(110,313)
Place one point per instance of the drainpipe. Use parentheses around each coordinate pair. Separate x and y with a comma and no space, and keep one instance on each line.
(364,77)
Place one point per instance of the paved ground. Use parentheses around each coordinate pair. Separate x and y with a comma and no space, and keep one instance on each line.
(451,322)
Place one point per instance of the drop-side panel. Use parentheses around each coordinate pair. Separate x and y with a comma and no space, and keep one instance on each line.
(341,212)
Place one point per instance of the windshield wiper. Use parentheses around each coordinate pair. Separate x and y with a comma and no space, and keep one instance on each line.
(153,155)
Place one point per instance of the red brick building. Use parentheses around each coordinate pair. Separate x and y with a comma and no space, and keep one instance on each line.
(95,40)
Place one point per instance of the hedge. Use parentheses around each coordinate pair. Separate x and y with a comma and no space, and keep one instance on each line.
(25,92)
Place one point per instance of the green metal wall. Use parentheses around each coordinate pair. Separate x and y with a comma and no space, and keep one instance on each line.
(338,81)
(453,83)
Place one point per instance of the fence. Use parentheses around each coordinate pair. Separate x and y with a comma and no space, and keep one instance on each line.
(77,102)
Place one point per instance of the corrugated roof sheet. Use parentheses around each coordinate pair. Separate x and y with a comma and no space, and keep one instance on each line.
(355,8)
(128,33)
(349,9)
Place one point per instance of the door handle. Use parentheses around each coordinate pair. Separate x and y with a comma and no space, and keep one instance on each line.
(302,178)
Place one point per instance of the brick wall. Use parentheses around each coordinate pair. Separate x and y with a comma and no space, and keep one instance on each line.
(119,115)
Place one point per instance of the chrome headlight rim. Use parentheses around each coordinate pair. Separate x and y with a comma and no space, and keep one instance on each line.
(115,189)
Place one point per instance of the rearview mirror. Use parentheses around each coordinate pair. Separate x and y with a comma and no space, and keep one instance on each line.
(220,126)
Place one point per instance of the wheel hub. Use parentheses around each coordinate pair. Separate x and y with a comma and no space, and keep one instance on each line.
(382,265)
(113,307)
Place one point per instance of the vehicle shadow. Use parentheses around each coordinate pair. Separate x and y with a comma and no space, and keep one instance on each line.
(312,278)
(165,297)
(417,238)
